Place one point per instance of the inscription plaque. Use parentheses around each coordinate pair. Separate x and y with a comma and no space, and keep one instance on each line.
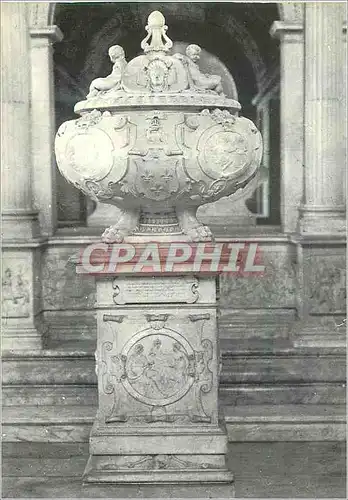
(160,290)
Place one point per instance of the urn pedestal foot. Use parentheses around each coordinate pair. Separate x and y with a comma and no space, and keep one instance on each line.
(195,230)
(158,421)
(126,225)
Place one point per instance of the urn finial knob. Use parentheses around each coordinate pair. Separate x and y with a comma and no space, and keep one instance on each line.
(156,29)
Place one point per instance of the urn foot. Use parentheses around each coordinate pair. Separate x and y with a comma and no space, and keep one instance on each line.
(195,230)
(125,226)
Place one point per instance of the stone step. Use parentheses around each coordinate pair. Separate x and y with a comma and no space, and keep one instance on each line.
(48,367)
(286,422)
(230,394)
(264,365)
(267,362)
(281,394)
(244,423)
(49,395)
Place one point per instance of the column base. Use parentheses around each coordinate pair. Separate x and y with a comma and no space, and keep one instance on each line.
(20,339)
(323,331)
(323,220)
(20,225)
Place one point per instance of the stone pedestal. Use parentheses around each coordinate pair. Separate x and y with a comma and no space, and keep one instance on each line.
(321,285)
(157,361)
(21,314)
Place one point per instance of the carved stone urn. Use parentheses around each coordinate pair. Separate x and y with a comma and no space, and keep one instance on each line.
(158,138)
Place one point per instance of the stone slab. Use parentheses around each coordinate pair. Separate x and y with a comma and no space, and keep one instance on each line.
(234,395)
(158,440)
(49,395)
(262,470)
(283,394)
(268,432)
(47,433)
(30,487)
(49,368)
(244,423)
(67,325)
(34,450)
(255,323)
(282,368)
(48,467)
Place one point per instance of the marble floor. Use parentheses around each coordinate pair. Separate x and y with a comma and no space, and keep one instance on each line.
(262,470)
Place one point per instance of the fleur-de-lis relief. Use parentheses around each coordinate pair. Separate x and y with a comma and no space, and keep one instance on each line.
(156,189)
(167,176)
(147,176)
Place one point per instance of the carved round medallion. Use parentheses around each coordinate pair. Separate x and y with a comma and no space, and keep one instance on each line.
(158,367)
(225,153)
(90,154)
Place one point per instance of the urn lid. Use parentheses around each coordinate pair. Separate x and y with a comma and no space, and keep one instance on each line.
(156,78)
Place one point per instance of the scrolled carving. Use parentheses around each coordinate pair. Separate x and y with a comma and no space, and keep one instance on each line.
(107,385)
(119,122)
(158,462)
(157,321)
(114,371)
(89,119)
(222,117)
(199,317)
(113,317)
(203,381)
(192,121)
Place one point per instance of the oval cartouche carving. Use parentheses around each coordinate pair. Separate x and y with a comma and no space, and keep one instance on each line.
(92,151)
(158,367)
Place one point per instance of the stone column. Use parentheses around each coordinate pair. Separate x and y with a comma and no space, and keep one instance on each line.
(324,200)
(43,125)
(19,219)
(291,119)
(21,287)
(321,248)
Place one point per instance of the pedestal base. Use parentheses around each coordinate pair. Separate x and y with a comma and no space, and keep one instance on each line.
(161,454)
(170,469)
(158,420)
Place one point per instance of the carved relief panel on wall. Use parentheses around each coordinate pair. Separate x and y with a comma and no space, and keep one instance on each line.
(15,292)
(159,367)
